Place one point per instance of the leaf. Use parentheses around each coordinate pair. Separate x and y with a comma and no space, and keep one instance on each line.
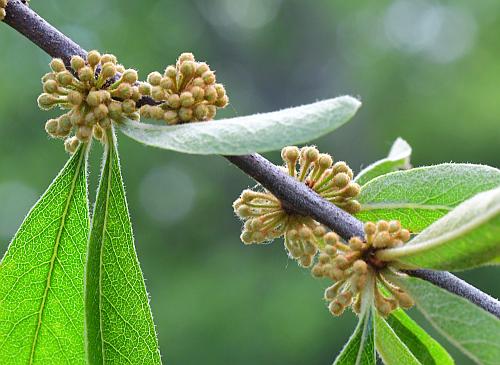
(391,349)
(41,275)
(398,158)
(471,329)
(425,349)
(466,237)
(360,350)
(420,196)
(119,324)
(253,133)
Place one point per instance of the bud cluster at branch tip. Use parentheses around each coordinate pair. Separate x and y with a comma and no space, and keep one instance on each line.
(3,5)
(97,91)
(265,219)
(186,92)
(349,265)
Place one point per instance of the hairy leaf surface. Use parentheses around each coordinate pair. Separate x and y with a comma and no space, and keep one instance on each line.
(420,196)
(249,134)
(473,330)
(41,275)
(360,349)
(397,159)
(119,324)
(466,237)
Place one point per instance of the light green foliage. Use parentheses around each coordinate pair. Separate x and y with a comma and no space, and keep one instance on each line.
(360,349)
(41,275)
(420,196)
(118,320)
(254,133)
(468,236)
(397,159)
(473,330)
(425,349)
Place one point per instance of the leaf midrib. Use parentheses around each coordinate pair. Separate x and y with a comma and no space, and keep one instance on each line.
(54,253)
(398,205)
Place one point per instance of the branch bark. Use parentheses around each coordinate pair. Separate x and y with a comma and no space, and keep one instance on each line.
(296,197)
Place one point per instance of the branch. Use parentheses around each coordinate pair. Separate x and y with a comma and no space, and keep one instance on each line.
(296,197)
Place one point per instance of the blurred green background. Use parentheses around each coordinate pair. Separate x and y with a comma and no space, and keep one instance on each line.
(425,70)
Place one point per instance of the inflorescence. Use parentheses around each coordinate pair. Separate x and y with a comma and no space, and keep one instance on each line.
(185,92)
(98,91)
(350,265)
(3,5)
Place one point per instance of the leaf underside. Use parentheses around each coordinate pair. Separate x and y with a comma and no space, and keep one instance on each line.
(397,159)
(41,275)
(466,237)
(471,329)
(249,134)
(420,196)
(119,324)
(360,349)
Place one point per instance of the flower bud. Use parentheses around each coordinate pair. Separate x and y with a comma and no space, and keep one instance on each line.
(57,65)
(170,72)
(108,70)
(370,228)
(85,74)
(202,68)
(198,82)
(105,58)
(77,63)
(171,117)
(208,77)
(187,68)
(222,102)
(71,144)
(186,56)
(84,133)
(167,83)
(220,90)
(144,88)
(154,78)
(186,99)
(212,110)
(128,106)
(174,101)
(198,93)
(341,180)
(93,58)
(200,112)
(101,111)
(51,127)
(185,114)
(75,97)
(210,94)
(47,101)
(130,76)
(93,98)
(65,78)
(50,86)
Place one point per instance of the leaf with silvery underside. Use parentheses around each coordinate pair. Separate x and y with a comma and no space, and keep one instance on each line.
(424,348)
(397,159)
(41,275)
(466,237)
(119,326)
(360,349)
(471,329)
(420,196)
(249,134)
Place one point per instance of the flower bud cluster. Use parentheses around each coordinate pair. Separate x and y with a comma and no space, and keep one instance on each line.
(332,181)
(350,266)
(3,5)
(97,91)
(186,92)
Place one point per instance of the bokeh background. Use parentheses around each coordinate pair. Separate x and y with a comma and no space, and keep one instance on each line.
(425,70)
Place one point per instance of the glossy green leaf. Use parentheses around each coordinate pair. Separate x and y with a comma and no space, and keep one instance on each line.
(420,196)
(118,321)
(397,159)
(360,349)
(390,347)
(473,330)
(253,133)
(41,275)
(466,237)
(425,349)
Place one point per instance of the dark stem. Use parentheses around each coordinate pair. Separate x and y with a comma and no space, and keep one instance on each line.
(295,196)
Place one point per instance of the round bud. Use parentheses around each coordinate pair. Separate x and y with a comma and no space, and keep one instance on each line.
(305,261)
(202,68)
(76,117)
(200,112)
(345,298)
(64,124)
(186,56)
(331,238)
(154,78)
(84,133)
(352,206)
(341,262)
(290,154)
(77,63)
(115,110)
(340,166)
(93,98)
(330,250)
(246,237)
(305,233)
(212,110)
(352,190)
(360,267)
(48,76)
(323,258)
(174,101)
(65,78)
(108,58)
(90,119)
(157,112)
(46,101)
(108,70)
(220,90)
(57,65)
(3,13)
(130,76)
(317,271)
(404,235)
(341,180)
(50,86)
(319,231)
(382,239)
(336,308)
(222,102)
(210,94)
(75,97)
(186,99)
(85,74)
(93,58)
(311,154)
(167,83)
(404,300)
(124,91)
(157,93)
(325,160)
(370,228)
(258,237)
(394,226)
(101,111)
(198,82)
(120,69)
(128,106)
(187,68)
(198,93)
(171,117)
(71,144)
(144,88)
(105,123)
(185,114)
(382,225)
(208,77)
(170,72)
(51,127)
(356,243)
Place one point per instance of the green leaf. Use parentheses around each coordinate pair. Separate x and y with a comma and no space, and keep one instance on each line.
(397,159)
(466,237)
(391,349)
(41,275)
(360,350)
(473,330)
(118,320)
(425,349)
(254,133)
(420,196)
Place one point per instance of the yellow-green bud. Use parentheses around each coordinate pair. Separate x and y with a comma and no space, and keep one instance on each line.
(144,88)
(101,111)
(210,94)
(170,117)
(105,123)
(98,132)
(85,74)
(185,114)
(64,124)
(51,127)
(370,228)
(170,72)
(48,76)
(158,93)
(174,101)
(130,76)
(198,93)
(186,56)
(221,91)
(77,63)
(394,226)
(200,112)
(202,68)
(57,65)
(94,98)
(208,77)
(75,97)
(212,110)
(187,68)
(325,160)
(198,82)
(154,78)
(382,225)
(65,78)
(84,133)
(46,101)
(167,83)
(124,91)
(341,180)
(71,144)
(50,86)
(108,58)
(108,70)
(93,58)
(186,99)
(222,102)
(115,109)
(128,106)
